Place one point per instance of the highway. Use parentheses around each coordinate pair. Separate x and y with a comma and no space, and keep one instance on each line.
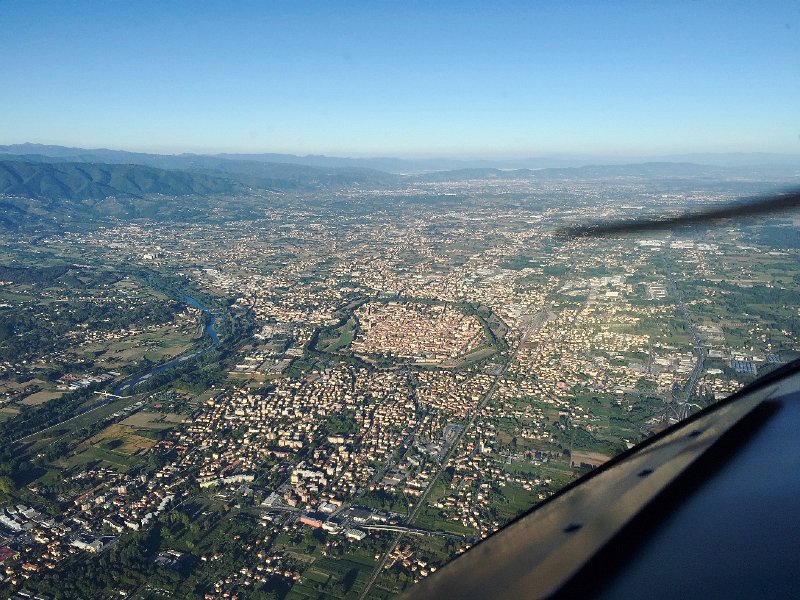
(683,407)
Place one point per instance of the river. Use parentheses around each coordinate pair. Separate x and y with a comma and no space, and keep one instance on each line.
(128,383)
(209,329)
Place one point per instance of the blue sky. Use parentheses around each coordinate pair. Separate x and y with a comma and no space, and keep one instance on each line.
(403,78)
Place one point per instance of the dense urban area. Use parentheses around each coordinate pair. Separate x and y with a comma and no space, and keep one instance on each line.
(331,395)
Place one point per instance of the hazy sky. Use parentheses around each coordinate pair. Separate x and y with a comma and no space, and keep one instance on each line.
(403,78)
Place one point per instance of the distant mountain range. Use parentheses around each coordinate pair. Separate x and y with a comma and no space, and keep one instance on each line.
(262,173)
(396,165)
(386,164)
(45,183)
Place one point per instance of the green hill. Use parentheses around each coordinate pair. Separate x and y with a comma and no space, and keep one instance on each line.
(84,181)
(37,190)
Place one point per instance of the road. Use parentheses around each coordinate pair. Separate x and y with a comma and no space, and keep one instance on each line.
(406,443)
(698,369)
(683,407)
(412,531)
(420,503)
